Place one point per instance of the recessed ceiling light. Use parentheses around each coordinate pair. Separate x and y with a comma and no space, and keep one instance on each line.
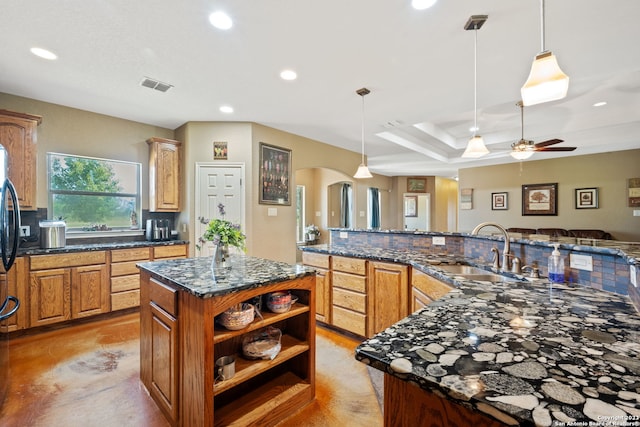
(600,104)
(226,109)
(44,53)
(220,20)
(422,4)
(288,75)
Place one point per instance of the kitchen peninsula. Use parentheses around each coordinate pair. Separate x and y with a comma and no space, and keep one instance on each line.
(180,341)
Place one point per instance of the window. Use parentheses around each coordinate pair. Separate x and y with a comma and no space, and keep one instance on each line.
(93,194)
(373,217)
(300,201)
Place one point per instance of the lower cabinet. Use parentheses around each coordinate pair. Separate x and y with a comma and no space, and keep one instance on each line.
(15,280)
(125,276)
(388,295)
(322,264)
(349,294)
(426,289)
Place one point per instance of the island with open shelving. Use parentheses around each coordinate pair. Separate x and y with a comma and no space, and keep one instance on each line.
(180,341)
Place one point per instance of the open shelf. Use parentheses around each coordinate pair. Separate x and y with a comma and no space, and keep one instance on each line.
(247,369)
(267,404)
(269,318)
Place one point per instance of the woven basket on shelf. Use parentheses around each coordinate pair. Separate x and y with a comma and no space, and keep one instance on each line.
(237,318)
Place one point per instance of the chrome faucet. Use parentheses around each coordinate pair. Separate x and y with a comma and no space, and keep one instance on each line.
(507,244)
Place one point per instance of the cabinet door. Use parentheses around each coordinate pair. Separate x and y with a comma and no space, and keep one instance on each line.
(49,296)
(388,295)
(18,136)
(164,175)
(323,295)
(16,285)
(90,291)
(164,363)
(426,289)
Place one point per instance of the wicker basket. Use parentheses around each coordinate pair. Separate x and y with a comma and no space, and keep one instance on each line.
(235,319)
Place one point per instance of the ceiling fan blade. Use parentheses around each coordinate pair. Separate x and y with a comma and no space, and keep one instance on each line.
(555,149)
(548,142)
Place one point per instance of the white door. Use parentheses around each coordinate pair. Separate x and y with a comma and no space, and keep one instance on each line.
(218,185)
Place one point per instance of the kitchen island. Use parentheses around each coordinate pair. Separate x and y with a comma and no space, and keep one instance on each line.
(514,353)
(180,341)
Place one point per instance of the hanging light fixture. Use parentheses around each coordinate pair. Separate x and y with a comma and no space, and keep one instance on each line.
(363,170)
(546,80)
(475,146)
(522,149)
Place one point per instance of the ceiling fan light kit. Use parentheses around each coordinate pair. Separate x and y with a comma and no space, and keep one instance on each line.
(475,146)
(524,149)
(363,170)
(546,80)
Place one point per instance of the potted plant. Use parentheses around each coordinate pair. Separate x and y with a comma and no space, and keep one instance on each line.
(312,232)
(223,233)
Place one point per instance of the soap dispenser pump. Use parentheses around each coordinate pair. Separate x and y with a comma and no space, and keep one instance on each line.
(556,266)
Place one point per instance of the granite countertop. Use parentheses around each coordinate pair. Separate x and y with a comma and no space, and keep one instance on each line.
(196,276)
(97,247)
(525,352)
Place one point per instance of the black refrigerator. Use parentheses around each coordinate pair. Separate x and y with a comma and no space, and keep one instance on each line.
(9,241)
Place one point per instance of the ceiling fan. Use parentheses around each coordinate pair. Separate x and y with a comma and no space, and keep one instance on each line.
(524,149)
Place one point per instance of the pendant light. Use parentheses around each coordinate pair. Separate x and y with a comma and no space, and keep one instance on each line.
(363,170)
(522,149)
(546,80)
(475,146)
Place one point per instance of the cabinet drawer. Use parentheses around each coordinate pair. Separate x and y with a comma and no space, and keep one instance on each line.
(125,283)
(120,255)
(124,268)
(164,297)
(315,260)
(172,251)
(349,265)
(349,281)
(124,300)
(349,320)
(40,262)
(349,299)
(429,286)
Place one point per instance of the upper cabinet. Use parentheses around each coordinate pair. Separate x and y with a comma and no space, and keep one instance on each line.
(164,175)
(18,135)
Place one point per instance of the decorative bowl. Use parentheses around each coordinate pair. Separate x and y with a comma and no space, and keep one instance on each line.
(280,302)
(237,318)
(263,344)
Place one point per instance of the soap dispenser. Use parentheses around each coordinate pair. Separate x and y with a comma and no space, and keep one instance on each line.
(556,266)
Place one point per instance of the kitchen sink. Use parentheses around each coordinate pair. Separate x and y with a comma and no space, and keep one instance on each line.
(474,273)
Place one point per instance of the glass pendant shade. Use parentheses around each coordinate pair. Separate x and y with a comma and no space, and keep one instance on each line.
(475,148)
(521,155)
(546,81)
(363,172)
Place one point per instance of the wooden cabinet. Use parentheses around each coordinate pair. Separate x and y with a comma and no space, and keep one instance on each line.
(426,289)
(125,276)
(388,295)
(18,135)
(349,294)
(165,178)
(169,252)
(160,371)
(322,264)
(16,284)
(67,286)
(183,343)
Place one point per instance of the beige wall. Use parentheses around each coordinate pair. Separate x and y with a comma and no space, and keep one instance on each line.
(608,172)
(72,131)
(443,201)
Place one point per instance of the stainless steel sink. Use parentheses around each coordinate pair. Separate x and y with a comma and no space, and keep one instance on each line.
(474,273)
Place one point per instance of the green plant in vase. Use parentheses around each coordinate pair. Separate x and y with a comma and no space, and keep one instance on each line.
(223,233)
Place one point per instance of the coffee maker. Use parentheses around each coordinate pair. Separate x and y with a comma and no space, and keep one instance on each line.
(158,230)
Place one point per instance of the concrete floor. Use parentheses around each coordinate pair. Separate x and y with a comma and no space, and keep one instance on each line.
(88,375)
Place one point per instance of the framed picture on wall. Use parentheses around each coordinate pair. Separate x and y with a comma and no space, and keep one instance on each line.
(275,175)
(410,206)
(540,199)
(499,201)
(586,198)
(416,185)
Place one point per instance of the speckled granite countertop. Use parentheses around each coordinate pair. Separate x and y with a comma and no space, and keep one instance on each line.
(97,247)
(525,352)
(196,276)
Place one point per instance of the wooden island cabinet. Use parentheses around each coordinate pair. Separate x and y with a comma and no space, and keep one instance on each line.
(180,341)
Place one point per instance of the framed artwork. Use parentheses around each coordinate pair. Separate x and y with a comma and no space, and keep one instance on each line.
(410,206)
(634,192)
(499,201)
(219,150)
(416,185)
(540,199)
(275,175)
(586,198)
(466,198)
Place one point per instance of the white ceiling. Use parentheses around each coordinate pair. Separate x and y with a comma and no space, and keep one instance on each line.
(417,64)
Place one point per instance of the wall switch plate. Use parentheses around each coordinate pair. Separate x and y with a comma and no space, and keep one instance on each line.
(633,275)
(318,214)
(344,235)
(581,262)
(25,230)
(438,240)
(272,212)
(636,212)
(361,214)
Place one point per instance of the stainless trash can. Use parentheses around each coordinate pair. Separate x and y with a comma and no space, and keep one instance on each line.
(53,234)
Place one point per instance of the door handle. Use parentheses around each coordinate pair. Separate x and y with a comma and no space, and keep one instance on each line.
(4,223)
(11,312)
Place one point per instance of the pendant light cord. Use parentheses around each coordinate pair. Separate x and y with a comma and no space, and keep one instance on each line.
(475,82)
(542,25)
(362,127)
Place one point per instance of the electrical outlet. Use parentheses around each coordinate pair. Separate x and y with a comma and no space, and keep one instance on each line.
(438,240)
(632,275)
(581,262)
(25,231)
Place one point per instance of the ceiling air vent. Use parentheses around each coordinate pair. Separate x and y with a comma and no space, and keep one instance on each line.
(155,84)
